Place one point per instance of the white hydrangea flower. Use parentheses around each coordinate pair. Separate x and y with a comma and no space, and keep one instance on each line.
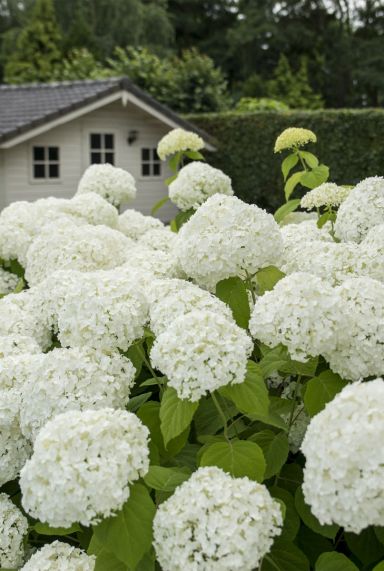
(112,183)
(201,352)
(214,522)
(171,298)
(18,344)
(361,211)
(14,370)
(333,262)
(8,281)
(59,556)
(295,235)
(19,315)
(227,237)
(134,224)
(85,248)
(178,140)
(371,251)
(91,207)
(358,349)
(196,182)
(73,379)
(17,229)
(104,310)
(15,449)
(155,263)
(162,239)
(82,465)
(301,312)
(344,471)
(13,528)
(326,194)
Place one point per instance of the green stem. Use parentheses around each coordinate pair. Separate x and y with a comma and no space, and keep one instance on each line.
(151,370)
(294,403)
(222,415)
(230,416)
(302,161)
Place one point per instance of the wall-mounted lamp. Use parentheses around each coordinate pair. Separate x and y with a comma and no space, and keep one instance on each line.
(132,136)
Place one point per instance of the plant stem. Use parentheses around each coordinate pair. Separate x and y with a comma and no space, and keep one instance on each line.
(302,161)
(294,403)
(222,415)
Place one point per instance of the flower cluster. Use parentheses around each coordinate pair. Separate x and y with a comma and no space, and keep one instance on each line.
(58,556)
(214,521)
(362,210)
(327,194)
(72,379)
(8,281)
(294,137)
(13,528)
(301,312)
(17,344)
(196,182)
(200,352)
(112,183)
(134,224)
(178,140)
(82,465)
(344,470)
(203,250)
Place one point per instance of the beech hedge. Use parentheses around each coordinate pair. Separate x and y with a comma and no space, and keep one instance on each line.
(350,142)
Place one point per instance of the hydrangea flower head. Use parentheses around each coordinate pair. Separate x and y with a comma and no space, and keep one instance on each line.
(59,556)
(327,194)
(294,137)
(344,471)
(112,183)
(216,522)
(13,529)
(82,465)
(178,140)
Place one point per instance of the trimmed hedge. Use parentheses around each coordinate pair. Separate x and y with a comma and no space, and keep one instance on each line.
(350,142)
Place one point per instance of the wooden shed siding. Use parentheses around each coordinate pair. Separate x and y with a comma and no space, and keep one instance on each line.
(73,140)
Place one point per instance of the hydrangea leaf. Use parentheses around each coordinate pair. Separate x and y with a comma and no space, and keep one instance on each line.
(105,560)
(149,414)
(250,396)
(239,458)
(310,520)
(315,177)
(267,278)
(234,293)
(45,529)
(285,556)
(175,414)
(291,520)
(275,448)
(365,546)
(334,562)
(286,209)
(321,390)
(292,182)
(165,479)
(288,163)
(128,535)
(311,160)
(379,567)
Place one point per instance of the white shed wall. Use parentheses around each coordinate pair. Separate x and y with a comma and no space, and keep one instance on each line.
(16,182)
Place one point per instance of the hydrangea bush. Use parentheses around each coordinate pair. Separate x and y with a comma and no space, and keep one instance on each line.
(200,396)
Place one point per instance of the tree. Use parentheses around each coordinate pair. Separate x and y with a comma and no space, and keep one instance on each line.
(38,47)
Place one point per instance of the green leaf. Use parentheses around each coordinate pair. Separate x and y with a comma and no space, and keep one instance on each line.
(105,560)
(149,414)
(311,160)
(135,354)
(45,529)
(379,566)
(135,403)
(291,520)
(310,520)
(170,179)
(326,217)
(286,208)
(288,163)
(238,457)
(181,218)
(174,161)
(267,278)
(321,390)
(194,155)
(275,448)
(128,535)
(379,532)
(165,479)
(315,177)
(292,182)
(175,414)
(250,396)
(159,204)
(365,546)
(285,556)
(234,293)
(278,359)
(334,562)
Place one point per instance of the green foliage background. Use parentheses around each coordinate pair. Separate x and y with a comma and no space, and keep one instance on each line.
(350,142)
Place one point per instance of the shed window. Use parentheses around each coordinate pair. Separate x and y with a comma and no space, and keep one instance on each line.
(46,163)
(102,148)
(150,162)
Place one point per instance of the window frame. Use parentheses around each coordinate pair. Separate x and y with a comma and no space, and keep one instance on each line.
(46,162)
(151,162)
(102,150)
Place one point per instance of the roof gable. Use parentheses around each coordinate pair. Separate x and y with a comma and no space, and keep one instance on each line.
(27,110)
